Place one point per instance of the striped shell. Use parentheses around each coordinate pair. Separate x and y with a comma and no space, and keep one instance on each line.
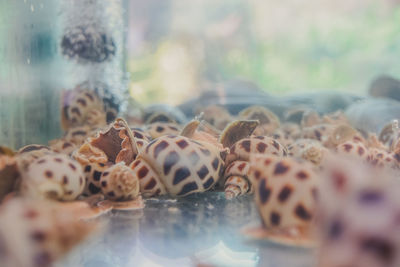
(177,165)
(53,176)
(285,191)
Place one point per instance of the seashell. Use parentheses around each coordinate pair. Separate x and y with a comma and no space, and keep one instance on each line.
(76,105)
(310,118)
(285,195)
(158,129)
(119,183)
(358,216)
(62,146)
(27,154)
(43,231)
(269,122)
(236,172)
(342,133)
(236,181)
(54,176)
(282,137)
(116,143)
(319,132)
(354,149)
(292,130)
(244,148)
(78,135)
(93,171)
(217,116)
(177,165)
(160,117)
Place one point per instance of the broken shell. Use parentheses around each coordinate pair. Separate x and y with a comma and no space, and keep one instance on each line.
(285,192)
(236,131)
(119,183)
(42,230)
(116,142)
(54,177)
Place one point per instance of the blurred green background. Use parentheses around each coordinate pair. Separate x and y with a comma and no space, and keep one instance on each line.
(179,48)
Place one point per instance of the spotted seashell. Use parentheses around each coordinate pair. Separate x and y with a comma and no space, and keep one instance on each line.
(319,132)
(308,149)
(292,130)
(353,149)
(358,216)
(141,138)
(27,154)
(217,116)
(62,146)
(285,191)
(244,148)
(310,118)
(78,135)
(53,176)
(93,172)
(158,129)
(38,233)
(76,105)
(96,118)
(383,159)
(119,183)
(282,137)
(177,165)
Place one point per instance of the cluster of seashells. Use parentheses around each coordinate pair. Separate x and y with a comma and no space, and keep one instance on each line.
(315,179)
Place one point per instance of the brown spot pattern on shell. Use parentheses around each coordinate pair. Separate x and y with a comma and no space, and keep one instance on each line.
(158,129)
(167,166)
(284,198)
(53,176)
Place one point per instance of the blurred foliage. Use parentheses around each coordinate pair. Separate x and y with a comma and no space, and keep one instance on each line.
(283,47)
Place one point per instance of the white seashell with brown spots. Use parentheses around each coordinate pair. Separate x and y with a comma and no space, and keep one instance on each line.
(285,195)
(53,176)
(237,162)
(177,165)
